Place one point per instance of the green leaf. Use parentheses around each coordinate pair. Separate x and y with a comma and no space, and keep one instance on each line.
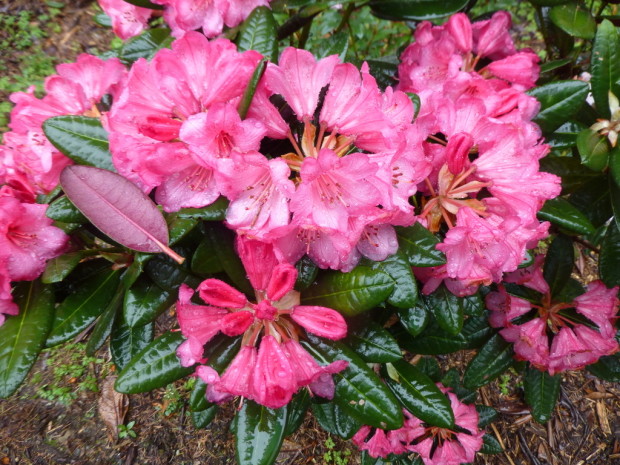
(145,4)
(593,149)
(373,343)
(155,366)
(397,267)
(306,273)
(359,391)
(127,342)
(214,212)
(259,432)
(59,268)
(565,136)
(222,240)
(250,90)
(81,308)
(145,45)
(23,336)
(492,360)
(447,309)
(490,445)
(559,101)
(541,392)
(570,170)
(607,368)
(197,399)
(335,420)
(574,19)
(80,138)
(561,212)
(297,409)
(593,200)
(414,319)
(419,394)
(145,301)
(335,44)
(418,244)
(350,293)
(62,209)
(609,258)
(614,165)
(104,325)
(614,193)
(558,263)
(167,273)
(415,10)
(473,305)
(203,418)
(452,380)
(205,261)
(259,32)
(430,367)
(384,70)
(486,415)
(605,67)
(179,228)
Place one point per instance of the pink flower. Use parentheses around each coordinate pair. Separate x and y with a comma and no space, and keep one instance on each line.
(7,306)
(127,20)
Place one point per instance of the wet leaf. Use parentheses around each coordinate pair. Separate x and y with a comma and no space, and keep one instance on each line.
(495,357)
(418,244)
(559,101)
(605,66)
(561,212)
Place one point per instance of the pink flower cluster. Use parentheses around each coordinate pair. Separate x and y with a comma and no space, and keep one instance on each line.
(329,179)
(271,365)
(556,339)
(435,446)
(485,187)
(182,16)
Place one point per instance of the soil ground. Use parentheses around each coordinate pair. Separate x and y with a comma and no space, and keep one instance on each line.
(39,429)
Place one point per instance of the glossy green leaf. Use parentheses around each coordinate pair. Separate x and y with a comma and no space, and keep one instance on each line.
(81,138)
(570,170)
(203,418)
(259,432)
(559,101)
(145,301)
(614,194)
(414,319)
(452,380)
(593,200)
(222,240)
(145,45)
(335,44)
(473,305)
(553,65)
(486,415)
(593,149)
(541,392)
(214,212)
(607,368)
(205,261)
(609,258)
(359,391)
(447,308)
(155,366)
(574,19)
(297,409)
(179,228)
(127,342)
(397,267)
(145,4)
(384,70)
(167,273)
(335,420)
(58,268)
(419,394)
(490,445)
(605,67)
(373,343)
(105,323)
(495,357)
(250,90)
(23,336)
(430,367)
(258,32)
(306,273)
(558,263)
(418,244)
(415,10)
(614,165)
(81,308)
(136,268)
(350,293)
(197,399)
(62,209)
(562,213)
(565,136)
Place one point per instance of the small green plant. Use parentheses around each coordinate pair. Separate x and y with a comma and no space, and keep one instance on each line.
(335,457)
(174,398)
(126,431)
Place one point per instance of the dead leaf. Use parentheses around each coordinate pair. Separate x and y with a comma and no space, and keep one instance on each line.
(601,411)
(112,407)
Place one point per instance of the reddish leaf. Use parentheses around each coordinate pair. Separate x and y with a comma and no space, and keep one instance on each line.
(118,208)
(112,407)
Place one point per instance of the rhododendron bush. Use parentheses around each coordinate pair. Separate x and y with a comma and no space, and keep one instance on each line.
(322,224)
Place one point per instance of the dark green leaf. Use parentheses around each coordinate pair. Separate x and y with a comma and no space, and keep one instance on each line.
(104,325)
(80,138)
(81,308)
(555,64)
(418,244)
(614,165)
(334,420)
(593,149)
(350,293)
(541,392)
(565,136)
(609,259)
(415,10)
(492,360)
(306,273)
(359,391)
(145,301)
(205,261)
(250,90)
(561,212)
(259,432)
(430,367)
(414,319)
(558,263)
(145,45)
(447,309)
(605,67)
(614,193)
(197,399)
(222,240)
(23,336)
(258,32)
(384,70)
(59,268)
(214,212)
(559,101)
(593,200)
(145,4)
(570,170)
(397,267)
(179,228)
(297,409)
(203,418)
(486,415)
(490,445)
(452,380)
(167,273)
(373,343)
(574,19)
(155,366)
(473,305)
(335,44)
(127,342)
(419,394)
(607,368)
(62,209)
